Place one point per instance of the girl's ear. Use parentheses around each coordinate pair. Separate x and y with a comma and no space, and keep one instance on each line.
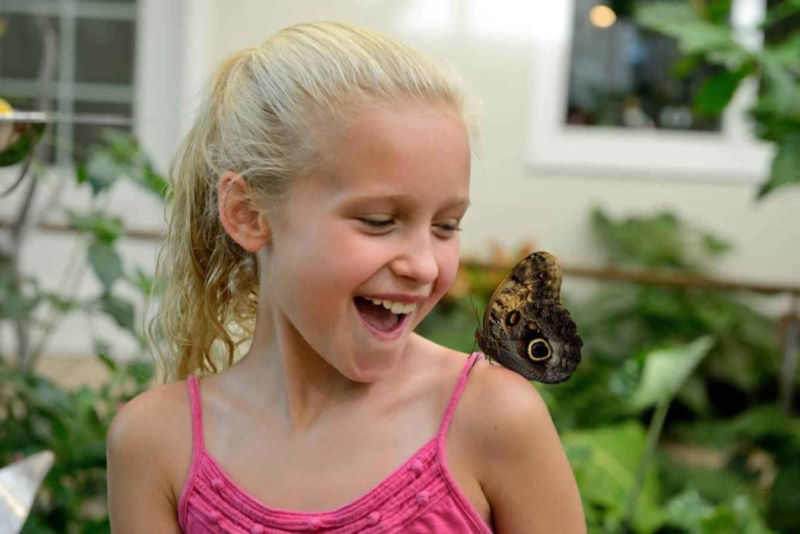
(238,213)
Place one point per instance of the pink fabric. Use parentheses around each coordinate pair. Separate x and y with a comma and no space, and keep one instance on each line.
(420,496)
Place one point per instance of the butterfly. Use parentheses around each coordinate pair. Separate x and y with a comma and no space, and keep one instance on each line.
(526,328)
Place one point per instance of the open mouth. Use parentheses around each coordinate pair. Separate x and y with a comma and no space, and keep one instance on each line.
(380,318)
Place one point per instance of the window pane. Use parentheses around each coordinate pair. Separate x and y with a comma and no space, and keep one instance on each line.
(624,76)
(86,135)
(105,51)
(21,46)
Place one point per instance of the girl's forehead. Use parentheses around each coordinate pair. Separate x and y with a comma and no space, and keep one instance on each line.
(387,143)
(388,120)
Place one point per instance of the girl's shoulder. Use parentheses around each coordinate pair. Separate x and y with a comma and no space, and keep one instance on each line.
(491,394)
(495,395)
(156,425)
(498,409)
(489,385)
(512,442)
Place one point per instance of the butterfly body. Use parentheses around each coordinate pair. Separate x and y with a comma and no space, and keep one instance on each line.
(526,328)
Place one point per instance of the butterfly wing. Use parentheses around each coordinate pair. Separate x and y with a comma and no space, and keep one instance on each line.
(526,328)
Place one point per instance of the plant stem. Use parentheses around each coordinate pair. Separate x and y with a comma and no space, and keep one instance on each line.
(653,435)
(76,268)
(17,234)
(791,351)
(76,264)
(21,222)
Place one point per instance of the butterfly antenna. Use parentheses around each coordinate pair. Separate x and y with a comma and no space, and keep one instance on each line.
(475,310)
(477,320)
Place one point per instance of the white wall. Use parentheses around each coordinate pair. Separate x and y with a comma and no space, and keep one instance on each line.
(510,202)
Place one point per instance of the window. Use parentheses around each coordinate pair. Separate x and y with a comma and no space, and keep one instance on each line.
(624,76)
(609,120)
(91,44)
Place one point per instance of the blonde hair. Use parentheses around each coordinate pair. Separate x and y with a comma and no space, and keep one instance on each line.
(264,117)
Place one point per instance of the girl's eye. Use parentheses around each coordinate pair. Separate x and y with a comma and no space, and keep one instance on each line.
(446,228)
(450,227)
(376,223)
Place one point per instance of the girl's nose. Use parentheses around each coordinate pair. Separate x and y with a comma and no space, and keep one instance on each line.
(417,261)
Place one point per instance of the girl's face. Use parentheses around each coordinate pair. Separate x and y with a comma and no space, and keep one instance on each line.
(380,223)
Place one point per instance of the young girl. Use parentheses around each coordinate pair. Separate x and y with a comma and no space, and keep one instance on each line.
(316,205)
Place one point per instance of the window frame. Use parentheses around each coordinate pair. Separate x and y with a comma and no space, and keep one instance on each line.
(172,67)
(730,155)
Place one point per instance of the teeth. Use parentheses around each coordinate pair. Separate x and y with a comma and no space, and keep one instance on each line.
(394,307)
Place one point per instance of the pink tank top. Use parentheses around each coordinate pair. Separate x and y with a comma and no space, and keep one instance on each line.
(420,496)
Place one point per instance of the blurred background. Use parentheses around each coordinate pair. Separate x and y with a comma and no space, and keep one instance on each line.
(653,147)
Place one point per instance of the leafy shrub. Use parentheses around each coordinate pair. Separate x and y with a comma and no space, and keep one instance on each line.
(724,458)
(36,415)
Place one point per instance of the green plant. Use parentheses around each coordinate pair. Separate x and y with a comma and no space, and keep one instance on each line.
(34,312)
(665,433)
(621,325)
(703,33)
(36,414)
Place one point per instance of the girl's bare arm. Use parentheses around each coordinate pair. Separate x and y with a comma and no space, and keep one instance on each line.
(139,495)
(523,469)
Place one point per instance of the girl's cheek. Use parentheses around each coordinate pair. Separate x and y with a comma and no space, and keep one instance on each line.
(448,268)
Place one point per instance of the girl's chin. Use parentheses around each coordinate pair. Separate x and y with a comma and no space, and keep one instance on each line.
(373,364)
(369,374)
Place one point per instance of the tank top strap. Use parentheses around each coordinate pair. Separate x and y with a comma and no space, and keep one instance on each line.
(197,415)
(462,382)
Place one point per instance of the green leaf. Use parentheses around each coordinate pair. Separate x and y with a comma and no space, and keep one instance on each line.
(780,12)
(780,84)
(716,92)
(15,305)
(121,310)
(105,262)
(141,371)
(60,303)
(687,509)
(739,516)
(758,424)
(105,228)
(666,370)
(143,282)
(785,169)
(723,521)
(124,150)
(785,499)
(664,16)
(694,35)
(81,174)
(748,516)
(121,146)
(102,171)
(694,395)
(661,240)
(605,461)
(151,181)
(655,240)
(714,245)
(101,349)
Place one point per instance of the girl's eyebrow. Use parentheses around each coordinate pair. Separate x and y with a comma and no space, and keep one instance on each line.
(455,202)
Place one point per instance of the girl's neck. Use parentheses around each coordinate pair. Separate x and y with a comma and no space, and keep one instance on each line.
(300,389)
